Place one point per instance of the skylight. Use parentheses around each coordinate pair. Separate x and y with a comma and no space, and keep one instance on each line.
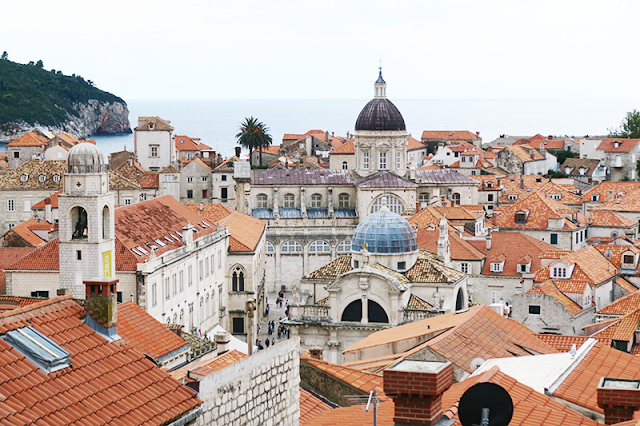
(136,252)
(169,239)
(152,246)
(206,224)
(140,249)
(160,243)
(38,348)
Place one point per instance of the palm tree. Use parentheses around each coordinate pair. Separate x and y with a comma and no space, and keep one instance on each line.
(254,135)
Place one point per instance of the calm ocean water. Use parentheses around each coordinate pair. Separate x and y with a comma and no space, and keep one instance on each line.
(216,122)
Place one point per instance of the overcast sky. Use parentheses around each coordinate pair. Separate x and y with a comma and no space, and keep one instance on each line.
(186,49)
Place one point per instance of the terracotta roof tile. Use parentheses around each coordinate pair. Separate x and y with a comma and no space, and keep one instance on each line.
(629,202)
(575,164)
(602,189)
(432,270)
(331,270)
(623,306)
(28,139)
(417,303)
(609,219)
(413,143)
(539,210)
(364,381)
(246,231)
(550,289)
(207,367)
(449,135)
(564,343)
(12,179)
(311,406)
(146,333)
(185,143)
(76,393)
(624,145)
(24,231)
(601,361)
(345,148)
(159,123)
(53,200)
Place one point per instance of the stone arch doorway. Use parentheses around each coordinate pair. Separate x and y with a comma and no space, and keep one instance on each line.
(459,301)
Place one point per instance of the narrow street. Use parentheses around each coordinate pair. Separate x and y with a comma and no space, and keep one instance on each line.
(276,314)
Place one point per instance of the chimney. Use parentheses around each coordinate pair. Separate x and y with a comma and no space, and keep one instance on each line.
(417,388)
(101,306)
(619,398)
(527,282)
(316,352)
(47,210)
(187,236)
(488,241)
(611,195)
(238,151)
(222,339)
(521,182)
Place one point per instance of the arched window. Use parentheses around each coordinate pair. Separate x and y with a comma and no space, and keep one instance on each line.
(344,247)
(42,178)
(79,223)
(343,201)
(394,204)
(168,320)
(316,201)
(106,220)
(455,197)
(270,248)
(319,246)
(345,165)
(182,317)
(175,318)
(201,309)
(289,201)
(213,302)
(521,216)
(353,312)
(237,279)
(206,305)
(291,247)
(261,201)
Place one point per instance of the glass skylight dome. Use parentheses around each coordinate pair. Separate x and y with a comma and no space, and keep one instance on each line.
(385,232)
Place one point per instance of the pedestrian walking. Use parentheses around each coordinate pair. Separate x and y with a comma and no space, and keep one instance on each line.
(267,343)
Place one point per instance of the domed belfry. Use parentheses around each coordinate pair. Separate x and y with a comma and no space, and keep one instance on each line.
(87,231)
(380,135)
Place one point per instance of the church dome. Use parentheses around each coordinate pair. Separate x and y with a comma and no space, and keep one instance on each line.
(380,114)
(385,232)
(85,157)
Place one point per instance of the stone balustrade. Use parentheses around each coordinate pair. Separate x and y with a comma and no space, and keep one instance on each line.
(309,312)
(410,315)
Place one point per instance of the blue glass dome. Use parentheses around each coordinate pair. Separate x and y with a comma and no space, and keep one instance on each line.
(385,232)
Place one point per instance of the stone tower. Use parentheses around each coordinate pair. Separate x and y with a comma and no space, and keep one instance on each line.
(86,219)
(380,135)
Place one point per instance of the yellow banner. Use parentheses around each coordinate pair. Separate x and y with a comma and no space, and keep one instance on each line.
(106,263)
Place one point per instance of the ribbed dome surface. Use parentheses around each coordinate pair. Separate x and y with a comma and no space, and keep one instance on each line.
(380,114)
(385,232)
(85,157)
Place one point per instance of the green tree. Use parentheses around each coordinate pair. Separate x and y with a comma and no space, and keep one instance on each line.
(562,155)
(39,64)
(629,128)
(5,56)
(254,135)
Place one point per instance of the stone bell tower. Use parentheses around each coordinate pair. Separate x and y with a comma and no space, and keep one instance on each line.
(86,219)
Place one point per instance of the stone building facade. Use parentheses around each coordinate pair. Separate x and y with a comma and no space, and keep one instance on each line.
(154,143)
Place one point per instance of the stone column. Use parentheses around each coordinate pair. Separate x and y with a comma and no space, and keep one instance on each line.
(333,305)
(250,306)
(330,202)
(365,310)
(278,262)
(303,206)
(305,257)
(276,212)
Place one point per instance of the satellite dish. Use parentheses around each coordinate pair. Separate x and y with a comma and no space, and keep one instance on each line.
(608,253)
(476,363)
(614,234)
(485,396)
(596,241)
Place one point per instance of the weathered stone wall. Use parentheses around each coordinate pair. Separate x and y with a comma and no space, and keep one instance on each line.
(330,387)
(262,389)
(553,317)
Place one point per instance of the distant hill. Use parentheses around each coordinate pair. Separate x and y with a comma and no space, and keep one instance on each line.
(31,95)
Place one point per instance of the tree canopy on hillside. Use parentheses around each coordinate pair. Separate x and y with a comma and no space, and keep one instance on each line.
(32,94)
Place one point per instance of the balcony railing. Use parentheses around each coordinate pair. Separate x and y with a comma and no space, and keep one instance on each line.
(309,312)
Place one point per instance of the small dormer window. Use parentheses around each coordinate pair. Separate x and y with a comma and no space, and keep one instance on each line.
(616,144)
(581,171)
(595,197)
(521,217)
(42,178)
(512,197)
(628,259)
(56,178)
(538,180)
(497,266)
(24,178)
(559,272)
(151,126)
(489,184)
(567,170)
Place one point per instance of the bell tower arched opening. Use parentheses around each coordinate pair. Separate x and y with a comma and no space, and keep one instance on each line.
(79,221)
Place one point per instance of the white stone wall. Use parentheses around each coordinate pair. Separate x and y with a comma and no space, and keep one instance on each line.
(195,172)
(336,160)
(263,389)
(22,202)
(553,317)
(22,283)
(483,285)
(166,152)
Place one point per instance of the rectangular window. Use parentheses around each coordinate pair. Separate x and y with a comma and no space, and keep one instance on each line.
(402,266)
(154,295)
(170,178)
(534,309)
(224,177)
(204,178)
(495,296)
(174,281)
(11,205)
(206,267)
(167,292)
(127,201)
(627,258)
(153,150)
(181,279)
(455,154)
(464,159)
(40,294)
(398,160)
(554,238)
(212,260)
(189,193)
(490,197)
(16,154)
(190,179)
(27,205)
(365,160)
(205,193)
(219,259)
(463,267)
(383,161)
(223,193)
(238,325)
(119,296)
(78,254)
(190,277)
(201,271)
(560,272)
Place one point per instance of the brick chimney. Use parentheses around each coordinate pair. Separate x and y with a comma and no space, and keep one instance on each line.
(101,306)
(316,352)
(222,339)
(417,388)
(619,398)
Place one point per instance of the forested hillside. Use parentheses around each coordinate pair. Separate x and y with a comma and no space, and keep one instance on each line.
(32,94)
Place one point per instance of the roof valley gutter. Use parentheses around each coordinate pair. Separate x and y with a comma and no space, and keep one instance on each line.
(187,418)
(564,372)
